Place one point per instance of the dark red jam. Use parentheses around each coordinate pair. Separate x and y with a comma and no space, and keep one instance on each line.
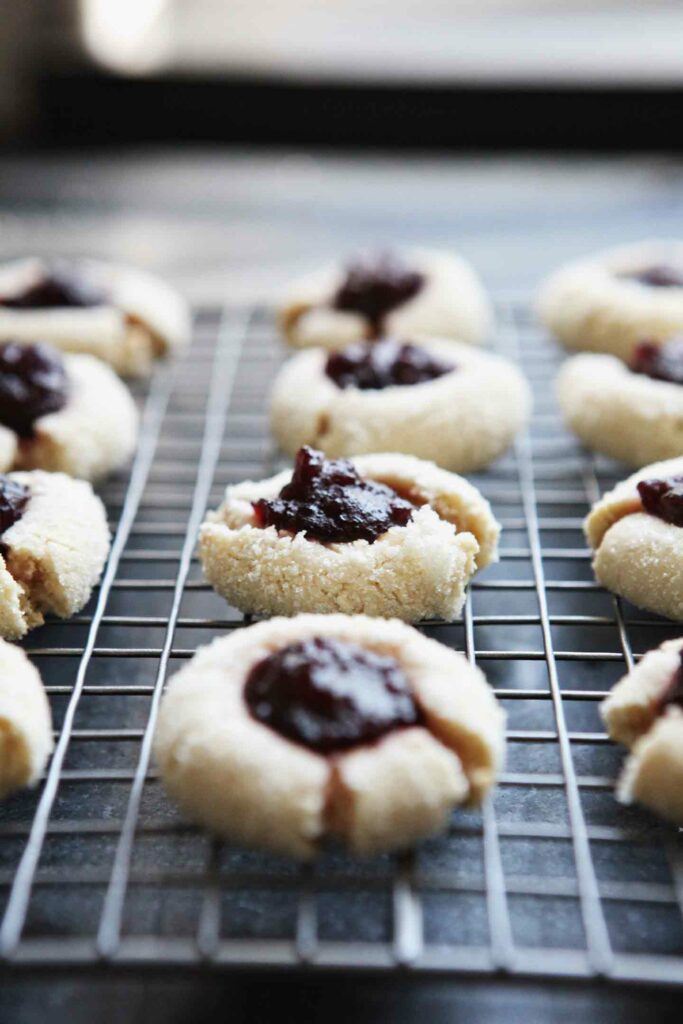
(331,503)
(13,501)
(330,695)
(374,286)
(660,361)
(659,275)
(663,498)
(56,287)
(674,691)
(384,364)
(33,383)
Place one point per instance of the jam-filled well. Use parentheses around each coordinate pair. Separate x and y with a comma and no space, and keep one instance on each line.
(329,694)
(33,383)
(673,694)
(56,287)
(387,363)
(13,501)
(663,498)
(659,275)
(374,286)
(660,361)
(330,502)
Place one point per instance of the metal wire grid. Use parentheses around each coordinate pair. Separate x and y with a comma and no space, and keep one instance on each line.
(551,878)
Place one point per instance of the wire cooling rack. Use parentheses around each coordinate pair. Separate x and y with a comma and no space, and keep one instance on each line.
(552,878)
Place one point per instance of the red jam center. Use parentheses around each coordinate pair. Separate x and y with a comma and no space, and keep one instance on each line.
(330,695)
(331,503)
(374,286)
(384,364)
(674,691)
(13,501)
(663,498)
(659,275)
(56,287)
(662,362)
(33,383)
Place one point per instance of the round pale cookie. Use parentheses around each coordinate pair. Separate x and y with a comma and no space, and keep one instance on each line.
(462,420)
(53,555)
(451,303)
(588,304)
(411,572)
(25,721)
(250,783)
(638,555)
(139,319)
(625,415)
(93,434)
(636,714)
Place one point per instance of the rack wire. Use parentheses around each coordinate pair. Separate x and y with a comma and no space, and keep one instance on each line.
(551,878)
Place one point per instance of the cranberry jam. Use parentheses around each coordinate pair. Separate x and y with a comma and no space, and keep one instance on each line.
(383,364)
(331,503)
(13,501)
(657,276)
(330,695)
(662,362)
(56,287)
(674,691)
(374,285)
(33,383)
(663,498)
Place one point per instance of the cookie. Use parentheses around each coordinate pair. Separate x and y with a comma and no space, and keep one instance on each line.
(613,300)
(644,711)
(124,316)
(386,535)
(624,414)
(462,417)
(406,294)
(63,413)
(636,532)
(54,541)
(294,730)
(25,721)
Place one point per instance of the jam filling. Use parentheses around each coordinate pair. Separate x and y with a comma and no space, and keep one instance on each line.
(56,287)
(674,691)
(663,498)
(374,286)
(13,501)
(384,364)
(662,362)
(331,503)
(330,695)
(33,383)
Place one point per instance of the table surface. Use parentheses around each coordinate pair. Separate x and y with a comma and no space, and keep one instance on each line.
(233,226)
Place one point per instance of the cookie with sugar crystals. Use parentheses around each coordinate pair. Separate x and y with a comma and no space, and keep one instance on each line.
(613,300)
(403,294)
(125,316)
(64,413)
(25,721)
(290,731)
(54,541)
(644,711)
(636,532)
(386,535)
(436,399)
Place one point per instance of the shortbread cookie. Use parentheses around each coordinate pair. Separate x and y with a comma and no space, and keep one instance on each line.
(54,541)
(645,712)
(65,413)
(293,730)
(438,400)
(613,300)
(633,413)
(126,317)
(419,291)
(384,534)
(636,532)
(25,721)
